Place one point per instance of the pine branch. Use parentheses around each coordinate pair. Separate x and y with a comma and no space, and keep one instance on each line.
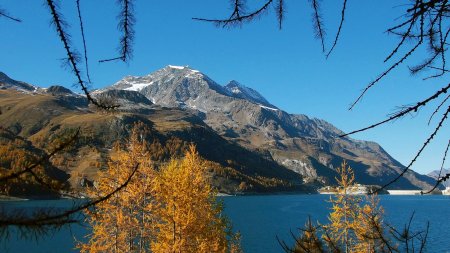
(318,24)
(404,112)
(60,25)
(238,19)
(126,26)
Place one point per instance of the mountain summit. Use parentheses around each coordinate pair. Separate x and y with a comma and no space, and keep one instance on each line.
(310,147)
(255,145)
(184,87)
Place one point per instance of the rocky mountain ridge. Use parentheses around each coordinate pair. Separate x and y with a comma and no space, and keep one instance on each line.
(233,125)
(311,147)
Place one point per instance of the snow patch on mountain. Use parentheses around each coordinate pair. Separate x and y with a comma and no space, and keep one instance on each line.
(138,86)
(268,108)
(175,67)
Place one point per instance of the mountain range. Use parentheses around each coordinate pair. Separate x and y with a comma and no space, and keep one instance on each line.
(256,144)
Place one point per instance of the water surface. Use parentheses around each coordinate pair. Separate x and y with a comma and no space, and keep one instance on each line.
(261,219)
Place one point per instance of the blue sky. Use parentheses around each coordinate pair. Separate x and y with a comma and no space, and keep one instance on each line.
(286,66)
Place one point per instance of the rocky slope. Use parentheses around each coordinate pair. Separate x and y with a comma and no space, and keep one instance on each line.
(41,116)
(253,146)
(308,146)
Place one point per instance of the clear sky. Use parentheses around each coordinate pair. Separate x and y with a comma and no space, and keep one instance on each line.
(286,66)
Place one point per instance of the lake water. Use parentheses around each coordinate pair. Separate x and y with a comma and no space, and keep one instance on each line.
(261,219)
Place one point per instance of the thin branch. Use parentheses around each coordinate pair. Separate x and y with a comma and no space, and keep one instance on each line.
(336,38)
(59,24)
(425,144)
(4,13)
(126,26)
(437,109)
(64,217)
(393,66)
(318,24)
(440,179)
(403,112)
(84,40)
(43,159)
(234,19)
(404,36)
(280,13)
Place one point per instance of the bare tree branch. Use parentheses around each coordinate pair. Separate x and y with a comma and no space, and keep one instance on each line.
(84,41)
(425,144)
(4,13)
(58,219)
(43,159)
(404,112)
(440,178)
(336,38)
(59,24)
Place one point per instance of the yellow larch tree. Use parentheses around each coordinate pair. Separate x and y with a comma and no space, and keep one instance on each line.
(174,209)
(355,223)
(345,211)
(189,217)
(123,223)
(370,230)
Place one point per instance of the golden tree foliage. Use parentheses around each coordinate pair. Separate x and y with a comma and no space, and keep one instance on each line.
(355,224)
(346,211)
(16,154)
(173,209)
(189,217)
(123,223)
(309,241)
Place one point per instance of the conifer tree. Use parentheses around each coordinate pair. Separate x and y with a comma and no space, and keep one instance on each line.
(189,216)
(355,224)
(309,242)
(346,208)
(123,223)
(171,210)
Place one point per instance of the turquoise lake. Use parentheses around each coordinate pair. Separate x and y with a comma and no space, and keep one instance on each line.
(261,219)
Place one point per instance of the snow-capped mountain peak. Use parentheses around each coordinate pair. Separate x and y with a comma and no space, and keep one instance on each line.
(181,83)
(176,67)
(183,68)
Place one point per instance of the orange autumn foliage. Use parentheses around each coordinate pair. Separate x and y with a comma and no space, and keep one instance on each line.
(173,209)
(123,223)
(189,217)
